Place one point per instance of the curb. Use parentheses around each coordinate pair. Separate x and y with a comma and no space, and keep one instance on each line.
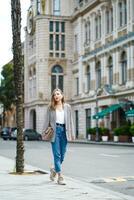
(102,143)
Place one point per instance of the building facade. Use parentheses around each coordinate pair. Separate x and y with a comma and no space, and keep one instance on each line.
(86,48)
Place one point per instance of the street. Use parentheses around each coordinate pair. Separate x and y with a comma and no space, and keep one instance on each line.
(106,166)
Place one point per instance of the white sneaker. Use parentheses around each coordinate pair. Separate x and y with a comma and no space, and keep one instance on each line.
(52,174)
(60,181)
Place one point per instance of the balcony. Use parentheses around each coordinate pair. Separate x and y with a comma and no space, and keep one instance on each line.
(83,4)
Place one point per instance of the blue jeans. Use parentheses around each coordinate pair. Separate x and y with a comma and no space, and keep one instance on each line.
(59,147)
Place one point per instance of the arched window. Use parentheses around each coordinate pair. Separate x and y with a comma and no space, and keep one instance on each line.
(110,70)
(122,13)
(38,7)
(109,20)
(123,67)
(88,78)
(98,75)
(34,71)
(89,31)
(30,73)
(86,34)
(57,77)
(96,27)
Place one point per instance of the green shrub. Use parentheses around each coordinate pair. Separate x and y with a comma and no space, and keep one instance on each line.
(117,131)
(132,130)
(104,131)
(123,130)
(91,131)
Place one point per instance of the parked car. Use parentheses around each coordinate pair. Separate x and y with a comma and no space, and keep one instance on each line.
(30,134)
(14,133)
(6,133)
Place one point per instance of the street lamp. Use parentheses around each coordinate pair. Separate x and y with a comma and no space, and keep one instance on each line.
(97,118)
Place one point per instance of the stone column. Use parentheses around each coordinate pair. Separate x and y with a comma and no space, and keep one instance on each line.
(104,59)
(93,15)
(93,74)
(80,75)
(132,61)
(114,67)
(118,67)
(131,15)
(115,18)
(103,22)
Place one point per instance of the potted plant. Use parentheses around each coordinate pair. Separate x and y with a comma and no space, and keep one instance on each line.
(123,133)
(132,132)
(104,134)
(116,134)
(91,133)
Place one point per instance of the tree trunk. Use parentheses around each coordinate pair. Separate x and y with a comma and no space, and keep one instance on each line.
(18,79)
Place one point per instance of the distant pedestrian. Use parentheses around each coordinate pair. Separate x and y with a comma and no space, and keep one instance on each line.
(59,116)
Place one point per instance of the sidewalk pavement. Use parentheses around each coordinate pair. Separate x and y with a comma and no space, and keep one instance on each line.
(39,187)
(86,141)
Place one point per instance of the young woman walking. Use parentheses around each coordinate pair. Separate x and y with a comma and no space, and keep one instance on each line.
(59,116)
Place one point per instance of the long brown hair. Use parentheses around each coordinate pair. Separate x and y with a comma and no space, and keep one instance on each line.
(53,103)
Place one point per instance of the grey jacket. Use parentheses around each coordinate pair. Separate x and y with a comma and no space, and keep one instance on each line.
(50,117)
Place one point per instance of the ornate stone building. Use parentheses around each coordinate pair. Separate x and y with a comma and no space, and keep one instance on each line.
(86,48)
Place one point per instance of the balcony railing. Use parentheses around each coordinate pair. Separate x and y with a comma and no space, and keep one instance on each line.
(82,4)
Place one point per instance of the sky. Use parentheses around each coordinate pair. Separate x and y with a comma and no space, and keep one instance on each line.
(6,29)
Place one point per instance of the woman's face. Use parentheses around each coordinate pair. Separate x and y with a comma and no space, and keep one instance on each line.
(58,96)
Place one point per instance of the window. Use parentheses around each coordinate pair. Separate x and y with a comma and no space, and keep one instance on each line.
(88,78)
(57,26)
(110,70)
(125,12)
(98,75)
(32,83)
(86,33)
(30,73)
(56,40)
(88,120)
(38,7)
(51,42)
(62,42)
(34,71)
(56,7)
(122,13)
(98,26)
(77,86)
(124,67)
(89,31)
(77,123)
(76,43)
(62,27)
(63,55)
(112,19)
(57,43)
(108,21)
(51,26)
(57,77)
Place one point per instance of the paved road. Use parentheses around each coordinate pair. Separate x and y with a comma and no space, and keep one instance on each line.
(102,165)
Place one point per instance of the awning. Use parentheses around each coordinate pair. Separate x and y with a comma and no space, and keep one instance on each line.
(130,113)
(107,111)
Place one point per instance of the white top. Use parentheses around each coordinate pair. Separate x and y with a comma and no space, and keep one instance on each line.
(60,116)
